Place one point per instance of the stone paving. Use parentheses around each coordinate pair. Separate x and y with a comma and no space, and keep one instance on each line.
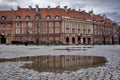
(111,71)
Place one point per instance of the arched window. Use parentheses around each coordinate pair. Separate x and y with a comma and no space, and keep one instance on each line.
(3,18)
(27,17)
(57,17)
(18,17)
(48,17)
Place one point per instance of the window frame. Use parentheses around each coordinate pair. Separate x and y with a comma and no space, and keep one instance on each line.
(3,18)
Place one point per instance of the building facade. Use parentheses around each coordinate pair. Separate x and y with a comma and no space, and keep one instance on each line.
(56,25)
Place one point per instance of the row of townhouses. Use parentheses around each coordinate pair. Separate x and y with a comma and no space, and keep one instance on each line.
(56,25)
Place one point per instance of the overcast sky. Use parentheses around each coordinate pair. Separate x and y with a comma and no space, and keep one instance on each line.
(111,8)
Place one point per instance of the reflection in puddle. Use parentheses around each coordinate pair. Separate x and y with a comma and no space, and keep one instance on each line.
(59,63)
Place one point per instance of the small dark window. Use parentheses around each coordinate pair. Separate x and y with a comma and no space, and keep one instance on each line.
(27,17)
(48,17)
(3,18)
(18,17)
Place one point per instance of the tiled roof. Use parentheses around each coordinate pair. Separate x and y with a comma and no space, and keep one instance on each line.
(51,12)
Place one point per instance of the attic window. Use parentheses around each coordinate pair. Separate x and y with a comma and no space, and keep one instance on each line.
(37,17)
(57,17)
(27,17)
(48,17)
(18,17)
(3,18)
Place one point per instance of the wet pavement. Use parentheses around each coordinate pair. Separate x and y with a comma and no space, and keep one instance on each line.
(58,64)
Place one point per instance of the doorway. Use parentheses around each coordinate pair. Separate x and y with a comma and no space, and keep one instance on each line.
(3,39)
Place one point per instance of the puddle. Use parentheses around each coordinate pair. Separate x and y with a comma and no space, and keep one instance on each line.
(73,48)
(59,64)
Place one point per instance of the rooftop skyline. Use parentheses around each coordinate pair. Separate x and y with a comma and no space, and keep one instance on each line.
(110,8)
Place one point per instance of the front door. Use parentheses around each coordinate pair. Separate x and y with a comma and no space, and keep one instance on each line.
(3,39)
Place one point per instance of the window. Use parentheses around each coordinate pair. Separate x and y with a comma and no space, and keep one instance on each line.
(27,17)
(37,25)
(3,25)
(44,30)
(29,31)
(57,30)
(67,30)
(57,17)
(50,24)
(24,39)
(9,25)
(73,24)
(67,24)
(44,24)
(17,38)
(23,24)
(89,31)
(78,30)
(57,24)
(17,31)
(73,30)
(78,25)
(18,17)
(3,32)
(50,30)
(30,24)
(9,32)
(84,31)
(3,18)
(17,24)
(48,17)
(23,31)
(37,17)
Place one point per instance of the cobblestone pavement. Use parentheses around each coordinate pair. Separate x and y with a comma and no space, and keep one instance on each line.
(110,71)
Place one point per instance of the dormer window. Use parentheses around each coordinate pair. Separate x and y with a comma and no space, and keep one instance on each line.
(3,18)
(57,17)
(37,17)
(18,17)
(48,17)
(27,17)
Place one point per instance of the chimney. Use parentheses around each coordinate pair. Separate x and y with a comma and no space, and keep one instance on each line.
(73,9)
(58,7)
(48,7)
(65,7)
(18,8)
(37,8)
(91,11)
(69,8)
(30,7)
(79,10)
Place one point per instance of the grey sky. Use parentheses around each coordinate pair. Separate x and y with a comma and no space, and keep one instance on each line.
(111,8)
